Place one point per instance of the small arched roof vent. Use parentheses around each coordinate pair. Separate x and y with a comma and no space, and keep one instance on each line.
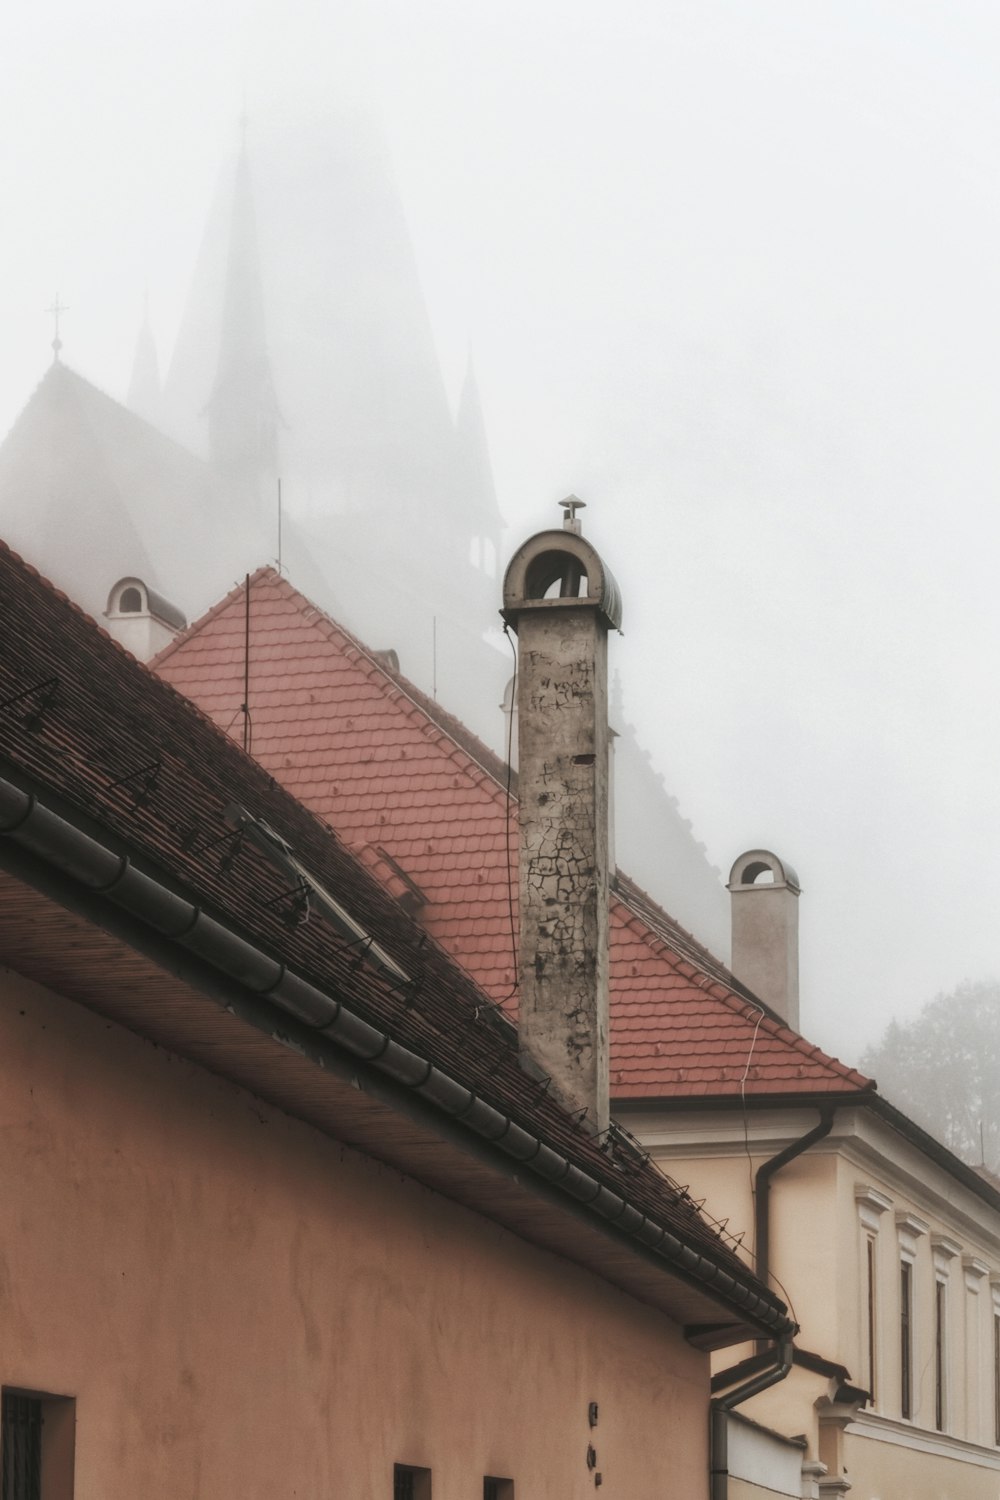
(130,596)
(759,867)
(131,601)
(558,570)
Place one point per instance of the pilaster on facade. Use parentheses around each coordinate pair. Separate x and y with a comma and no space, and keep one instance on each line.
(834,1417)
(813,1474)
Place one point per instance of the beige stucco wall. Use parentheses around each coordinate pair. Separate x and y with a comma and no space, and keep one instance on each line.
(243,1308)
(890,1471)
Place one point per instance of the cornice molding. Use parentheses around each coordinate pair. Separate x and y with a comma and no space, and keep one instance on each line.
(910,1227)
(975,1271)
(871,1205)
(944,1250)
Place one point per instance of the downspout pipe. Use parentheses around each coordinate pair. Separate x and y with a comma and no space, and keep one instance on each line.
(29,823)
(720,1407)
(766,1173)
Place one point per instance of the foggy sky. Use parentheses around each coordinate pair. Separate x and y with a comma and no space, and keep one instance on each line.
(729,272)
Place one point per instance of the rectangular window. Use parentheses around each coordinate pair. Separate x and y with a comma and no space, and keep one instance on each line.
(940,1354)
(21,1438)
(409,1483)
(37,1436)
(996,1379)
(906,1339)
(872,1314)
(498,1489)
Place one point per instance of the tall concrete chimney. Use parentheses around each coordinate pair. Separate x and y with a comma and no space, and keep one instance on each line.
(764,894)
(562,602)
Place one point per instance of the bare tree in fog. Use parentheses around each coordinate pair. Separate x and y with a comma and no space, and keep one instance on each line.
(943,1069)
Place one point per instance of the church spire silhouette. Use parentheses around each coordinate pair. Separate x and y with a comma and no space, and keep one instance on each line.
(479,496)
(145,391)
(242,410)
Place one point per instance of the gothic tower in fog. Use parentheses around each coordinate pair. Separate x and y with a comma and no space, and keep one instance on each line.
(306,353)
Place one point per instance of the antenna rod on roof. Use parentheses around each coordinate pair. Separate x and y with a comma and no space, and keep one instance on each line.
(279,523)
(434,657)
(247,734)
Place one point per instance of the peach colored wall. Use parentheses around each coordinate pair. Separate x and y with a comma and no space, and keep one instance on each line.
(243,1308)
(887,1471)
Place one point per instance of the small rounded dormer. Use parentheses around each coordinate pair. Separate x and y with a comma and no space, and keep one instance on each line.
(759,867)
(128,597)
(557,570)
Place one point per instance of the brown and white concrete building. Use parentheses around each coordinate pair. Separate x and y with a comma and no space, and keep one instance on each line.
(896,1385)
(281,1209)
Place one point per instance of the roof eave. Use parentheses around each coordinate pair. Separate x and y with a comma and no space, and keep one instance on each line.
(752,1311)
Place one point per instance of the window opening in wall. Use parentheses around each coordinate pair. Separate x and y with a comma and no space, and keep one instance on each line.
(906,1339)
(872,1318)
(940,1354)
(130,602)
(409,1483)
(21,1442)
(996,1379)
(37,1436)
(498,1489)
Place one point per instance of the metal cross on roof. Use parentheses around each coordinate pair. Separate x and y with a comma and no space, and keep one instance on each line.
(56,308)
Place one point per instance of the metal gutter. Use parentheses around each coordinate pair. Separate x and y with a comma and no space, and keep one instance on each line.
(866,1098)
(721,1406)
(766,1172)
(59,843)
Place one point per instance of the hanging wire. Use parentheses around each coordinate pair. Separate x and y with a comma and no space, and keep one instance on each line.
(510,862)
(743,1106)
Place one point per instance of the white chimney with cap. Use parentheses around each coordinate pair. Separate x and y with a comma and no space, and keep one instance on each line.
(764,893)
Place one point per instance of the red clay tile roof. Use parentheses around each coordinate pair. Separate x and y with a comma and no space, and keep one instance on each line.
(380,762)
(85,724)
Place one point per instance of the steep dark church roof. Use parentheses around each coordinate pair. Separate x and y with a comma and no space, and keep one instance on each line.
(96,494)
(321,254)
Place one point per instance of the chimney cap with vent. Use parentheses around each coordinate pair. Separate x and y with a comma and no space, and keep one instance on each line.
(760,868)
(566,559)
